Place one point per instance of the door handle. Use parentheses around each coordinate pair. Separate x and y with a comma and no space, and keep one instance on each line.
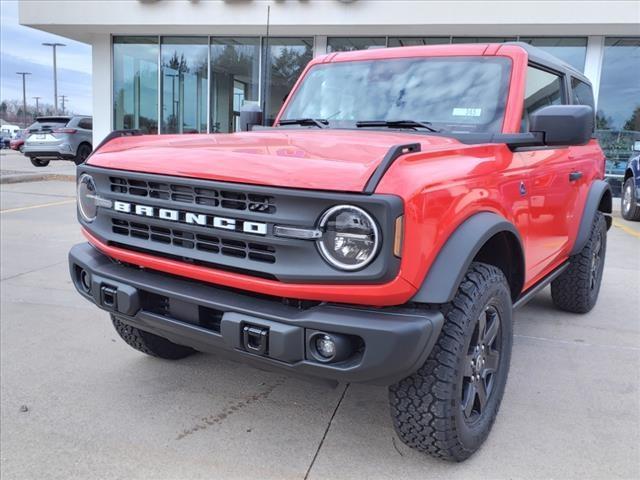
(575,176)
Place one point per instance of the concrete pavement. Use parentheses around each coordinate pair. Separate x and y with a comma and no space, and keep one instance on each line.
(95,408)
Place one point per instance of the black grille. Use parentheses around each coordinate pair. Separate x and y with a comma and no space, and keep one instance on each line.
(206,243)
(212,197)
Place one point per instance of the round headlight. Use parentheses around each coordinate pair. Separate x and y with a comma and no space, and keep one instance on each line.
(350,237)
(87,198)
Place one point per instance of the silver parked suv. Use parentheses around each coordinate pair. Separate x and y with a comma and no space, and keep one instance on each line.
(59,138)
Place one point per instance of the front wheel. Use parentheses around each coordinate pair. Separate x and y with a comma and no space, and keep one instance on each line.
(447,408)
(36,162)
(630,208)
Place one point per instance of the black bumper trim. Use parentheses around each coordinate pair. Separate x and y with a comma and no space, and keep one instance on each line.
(50,155)
(395,342)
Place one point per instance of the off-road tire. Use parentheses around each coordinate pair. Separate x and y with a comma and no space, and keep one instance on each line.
(149,343)
(576,289)
(84,150)
(36,162)
(630,208)
(426,407)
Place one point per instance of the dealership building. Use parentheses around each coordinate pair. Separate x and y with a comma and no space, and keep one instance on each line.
(188,66)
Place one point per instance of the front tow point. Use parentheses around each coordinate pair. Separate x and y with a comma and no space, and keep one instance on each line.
(255,339)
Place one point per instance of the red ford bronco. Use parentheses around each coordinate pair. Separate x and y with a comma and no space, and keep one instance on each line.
(404,204)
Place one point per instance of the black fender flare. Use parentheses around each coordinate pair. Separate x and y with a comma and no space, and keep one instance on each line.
(452,262)
(599,198)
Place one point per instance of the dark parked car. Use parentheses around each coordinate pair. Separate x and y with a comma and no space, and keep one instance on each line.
(631,190)
(5,139)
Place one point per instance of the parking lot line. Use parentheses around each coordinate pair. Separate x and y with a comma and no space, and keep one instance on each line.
(626,229)
(42,205)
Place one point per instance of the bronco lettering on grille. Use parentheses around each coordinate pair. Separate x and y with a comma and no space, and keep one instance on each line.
(256,228)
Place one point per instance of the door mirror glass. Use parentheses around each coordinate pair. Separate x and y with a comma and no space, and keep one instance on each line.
(563,125)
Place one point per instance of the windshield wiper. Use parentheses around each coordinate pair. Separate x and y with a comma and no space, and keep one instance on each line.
(397,124)
(318,122)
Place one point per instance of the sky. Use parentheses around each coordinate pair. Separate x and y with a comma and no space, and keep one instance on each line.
(21,50)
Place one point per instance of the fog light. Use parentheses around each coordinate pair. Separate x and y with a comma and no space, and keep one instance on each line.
(85,281)
(325,346)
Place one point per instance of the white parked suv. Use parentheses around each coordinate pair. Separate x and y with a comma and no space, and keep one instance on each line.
(59,138)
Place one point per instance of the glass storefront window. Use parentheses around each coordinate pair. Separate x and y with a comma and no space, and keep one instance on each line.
(347,44)
(235,67)
(415,41)
(135,83)
(285,61)
(572,50)
(482,39)
(618,117)
(184,84)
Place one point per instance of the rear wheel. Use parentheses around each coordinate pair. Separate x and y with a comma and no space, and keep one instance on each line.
(84,150)
(447,408)
(576,289)
(36,162)
(149,343)
(630,208)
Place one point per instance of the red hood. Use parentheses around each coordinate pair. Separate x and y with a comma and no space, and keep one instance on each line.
(340,160)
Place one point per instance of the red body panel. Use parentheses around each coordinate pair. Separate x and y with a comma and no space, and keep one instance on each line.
(16,143)
(441,186)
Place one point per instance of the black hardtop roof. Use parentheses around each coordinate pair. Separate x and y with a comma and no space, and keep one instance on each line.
(546,59)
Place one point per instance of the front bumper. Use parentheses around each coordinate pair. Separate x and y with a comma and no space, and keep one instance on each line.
(386,344)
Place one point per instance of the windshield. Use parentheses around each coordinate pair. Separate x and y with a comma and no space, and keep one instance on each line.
(453,94)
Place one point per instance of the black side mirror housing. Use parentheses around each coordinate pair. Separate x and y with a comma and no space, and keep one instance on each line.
(563,125)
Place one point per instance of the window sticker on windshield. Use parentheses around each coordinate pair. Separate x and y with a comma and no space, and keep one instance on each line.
(466,112)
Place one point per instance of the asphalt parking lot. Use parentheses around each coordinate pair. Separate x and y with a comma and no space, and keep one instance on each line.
(79,403)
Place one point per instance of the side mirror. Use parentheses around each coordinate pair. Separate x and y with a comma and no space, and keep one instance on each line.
(563,125)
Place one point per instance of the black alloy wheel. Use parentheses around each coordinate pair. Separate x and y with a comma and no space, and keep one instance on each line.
(482,363)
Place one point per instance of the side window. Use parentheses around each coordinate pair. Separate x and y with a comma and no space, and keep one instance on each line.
(581,93)
(86,123)
(542,89)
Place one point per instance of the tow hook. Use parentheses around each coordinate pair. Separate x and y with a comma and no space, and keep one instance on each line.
(255,339)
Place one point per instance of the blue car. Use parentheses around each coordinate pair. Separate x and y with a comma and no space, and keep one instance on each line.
(631,190)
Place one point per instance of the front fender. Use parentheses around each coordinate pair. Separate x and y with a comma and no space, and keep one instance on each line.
(453,260)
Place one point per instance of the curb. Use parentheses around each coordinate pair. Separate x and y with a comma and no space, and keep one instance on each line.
(36,177)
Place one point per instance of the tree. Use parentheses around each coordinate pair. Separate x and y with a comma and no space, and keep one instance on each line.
(633,123)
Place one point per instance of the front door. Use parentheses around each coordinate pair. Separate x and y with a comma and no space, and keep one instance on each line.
(551,186)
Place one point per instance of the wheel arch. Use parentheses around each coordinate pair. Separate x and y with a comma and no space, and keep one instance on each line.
(485,237)
(599,199)
(628,173)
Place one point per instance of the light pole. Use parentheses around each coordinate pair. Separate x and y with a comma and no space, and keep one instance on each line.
(37,99)
(55,73)
(64,99)
(24,96)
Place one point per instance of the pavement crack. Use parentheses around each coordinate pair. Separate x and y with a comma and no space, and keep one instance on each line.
(31,271)
(393,442)
(326,431)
